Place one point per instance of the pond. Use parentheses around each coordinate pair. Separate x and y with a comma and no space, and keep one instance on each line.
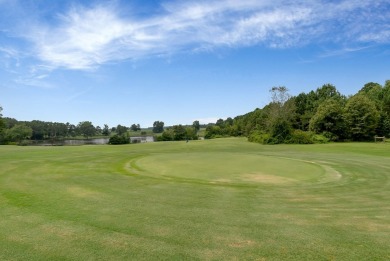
(98,141)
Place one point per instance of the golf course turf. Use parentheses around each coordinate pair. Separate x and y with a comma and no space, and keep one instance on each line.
(223,199)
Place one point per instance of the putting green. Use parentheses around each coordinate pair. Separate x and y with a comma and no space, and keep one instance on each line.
(229,168)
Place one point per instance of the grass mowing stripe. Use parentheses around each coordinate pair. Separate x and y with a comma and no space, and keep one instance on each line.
(74,203)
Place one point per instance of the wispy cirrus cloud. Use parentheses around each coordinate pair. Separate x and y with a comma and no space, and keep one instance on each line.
(86,37)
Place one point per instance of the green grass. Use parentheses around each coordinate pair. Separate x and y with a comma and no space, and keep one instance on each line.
(223,199)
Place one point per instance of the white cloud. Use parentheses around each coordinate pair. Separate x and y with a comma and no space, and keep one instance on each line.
(84,38)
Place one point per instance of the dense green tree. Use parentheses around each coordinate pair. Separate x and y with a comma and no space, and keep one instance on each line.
(19,132)
(213,131)
(229,122)
(86,129)
(118,139)
(282,107)
(306,104)
(135,127)
(72,130)
(57,129)
(325,92)
(280,132)
(98,130)
(106,130)
(2,126)
(361,117)
(120,130)
(280,115)
(179,132)
(168,135)
(329,119)
(386,98)
(220,123)
(196,125)
(39,130)
(374,92)
(158,127)
(10,122)
(191,133)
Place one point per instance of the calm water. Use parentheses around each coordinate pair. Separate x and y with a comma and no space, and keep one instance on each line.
(98,141)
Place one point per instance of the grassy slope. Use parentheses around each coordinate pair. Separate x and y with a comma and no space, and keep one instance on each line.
(111,203)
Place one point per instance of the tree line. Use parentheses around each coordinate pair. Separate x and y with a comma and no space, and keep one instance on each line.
(318,116)
(12,130)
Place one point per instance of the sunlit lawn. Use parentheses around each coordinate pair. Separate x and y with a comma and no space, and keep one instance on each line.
(224,199)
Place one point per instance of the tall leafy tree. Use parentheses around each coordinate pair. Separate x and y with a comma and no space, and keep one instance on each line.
(19,132)
(158,126)
(280,114)
(120,130)
(2,126)
(86,129)
(329,119)
(179,132)
(196,125)
(106,130)
(135,127)
(361,117)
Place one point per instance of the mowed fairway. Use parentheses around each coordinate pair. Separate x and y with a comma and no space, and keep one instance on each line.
(224,199)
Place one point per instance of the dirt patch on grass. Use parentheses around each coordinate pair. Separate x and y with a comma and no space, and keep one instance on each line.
(81,192)
(266,178)
(244,243)
(61,231)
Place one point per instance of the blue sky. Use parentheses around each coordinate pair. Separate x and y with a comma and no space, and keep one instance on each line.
(125,62)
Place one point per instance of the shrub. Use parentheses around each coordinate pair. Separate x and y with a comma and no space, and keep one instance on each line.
(259,137)
(280,132)
(317,138)
(118,139)
(24,143)
(301,137)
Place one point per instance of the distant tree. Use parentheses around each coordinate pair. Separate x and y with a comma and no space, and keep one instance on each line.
(135,127)
(2,126)
(106,130)
(229,122)
(158,127)
(280,132)
(325,92)
(384,121)
(179,132)
(120,130)
(385,96)
(191,133)
(86,129)
(72,130)
(19,132)
(361,117)
(280,114)
(374,92)
(282,106)
(56,129)
(10,122)
(329,119)
(118,139)
(306,104)
(220,122)
(371,87)
(98,130)
(167,135)
(213,131)
(196,125)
